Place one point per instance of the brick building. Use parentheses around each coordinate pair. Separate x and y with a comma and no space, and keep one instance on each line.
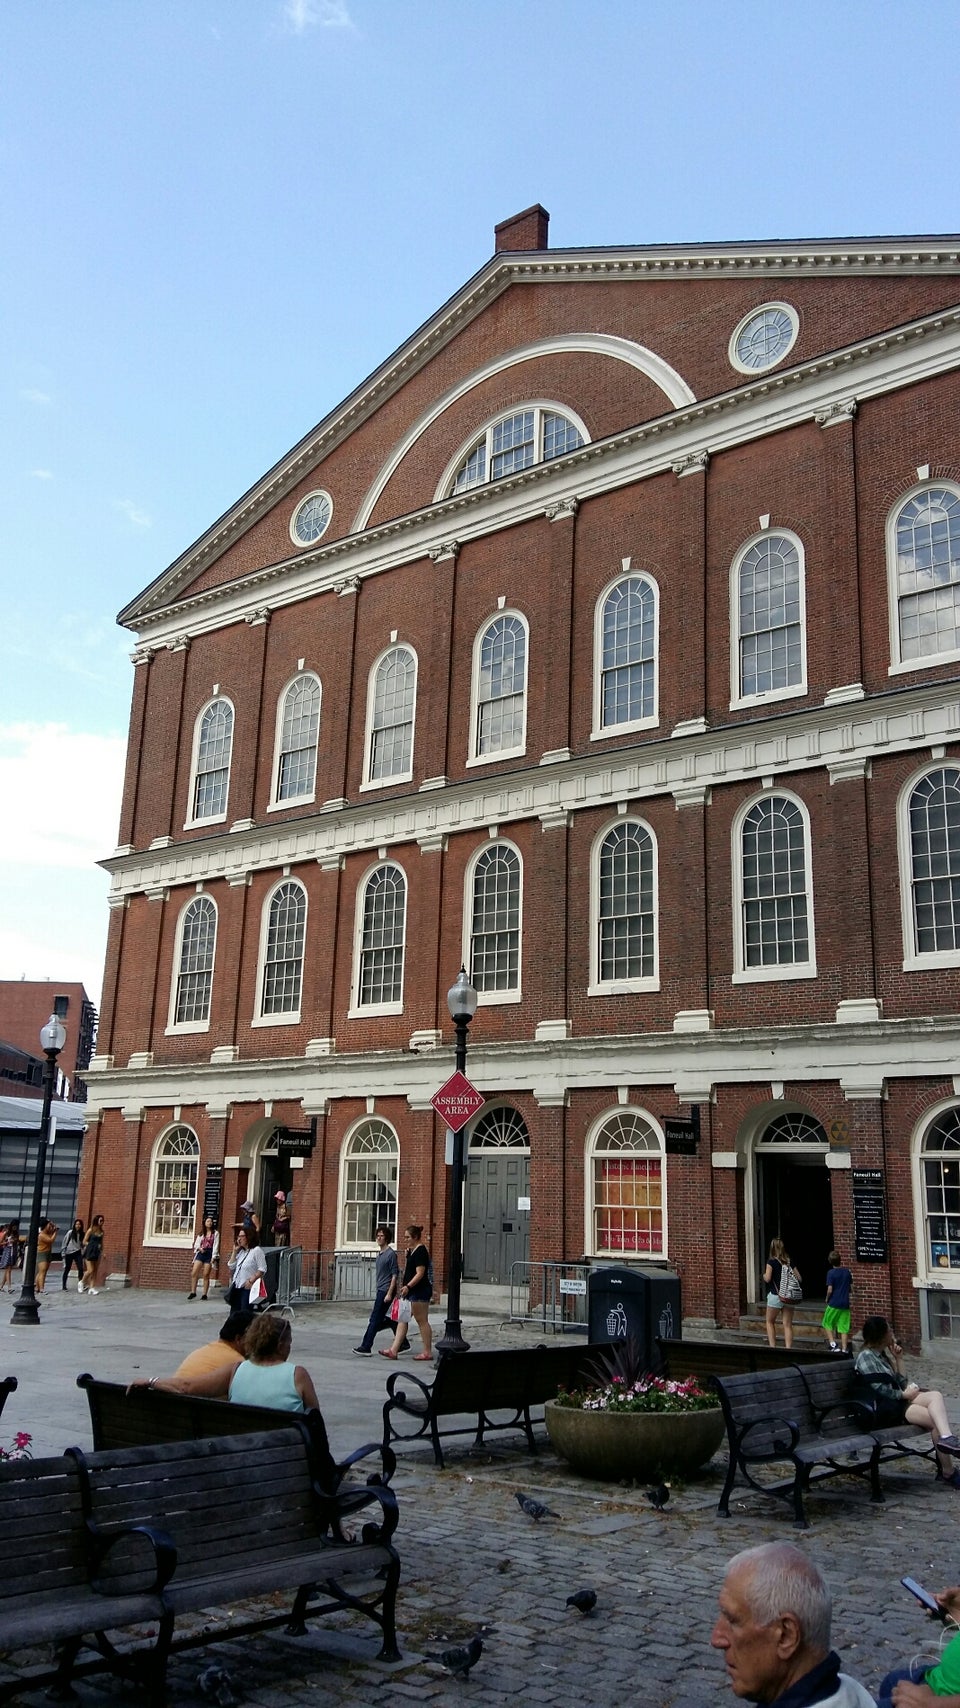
(25,1006)
(605,638)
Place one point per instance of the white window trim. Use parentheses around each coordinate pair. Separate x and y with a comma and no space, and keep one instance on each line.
(396,776)
(913,962)
(539,405)
(290,1016)
(948,1279)
(176,1028)
(171,1242)
(220,817)
(617,987)
(275,804)
(342,1160)
(900,666)
(743,974)
(308,545)
(596,1127)
(769,695)
(767,367)
(601,731)
(370,1010)
(490,998)
(474,758)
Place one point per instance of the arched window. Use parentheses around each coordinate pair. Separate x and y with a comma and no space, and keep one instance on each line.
(775,928)
(500,1129)
(933,867)
(193,960)
(172,1214)
(282,951)
(495,920)
(795,1127)
(368,1182)
(390,716)
(297,736)
(626,1180)
(535,434)
(923,551)
(500,681)
(768,619)
(940,1166)
(382,930)
(626,663)
(624,908)
(213,745)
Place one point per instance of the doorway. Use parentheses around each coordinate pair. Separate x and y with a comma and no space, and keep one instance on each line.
(795,1205)
(274,1175)
(496,1230)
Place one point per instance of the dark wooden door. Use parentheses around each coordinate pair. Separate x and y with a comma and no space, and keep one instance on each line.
(496,1232)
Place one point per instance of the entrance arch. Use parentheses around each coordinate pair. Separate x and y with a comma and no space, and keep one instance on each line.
(787,1194)
(496,1231)
(268,1173)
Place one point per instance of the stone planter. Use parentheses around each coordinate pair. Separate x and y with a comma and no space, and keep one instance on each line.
(639,1445)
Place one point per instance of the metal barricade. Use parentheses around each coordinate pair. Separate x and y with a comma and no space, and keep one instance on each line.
(289,1271)
(355,1275)
(323,1277)
(552,1295)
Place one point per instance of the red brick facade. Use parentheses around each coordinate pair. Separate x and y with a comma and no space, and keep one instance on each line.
(687,461)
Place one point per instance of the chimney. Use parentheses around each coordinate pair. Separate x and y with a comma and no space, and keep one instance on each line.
(527,230)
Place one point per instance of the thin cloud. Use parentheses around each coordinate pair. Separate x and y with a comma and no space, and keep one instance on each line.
(303,15)
(73,823)
(32,394)
(133,513)
(41,474)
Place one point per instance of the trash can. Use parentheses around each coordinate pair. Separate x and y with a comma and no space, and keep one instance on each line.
(637,1304)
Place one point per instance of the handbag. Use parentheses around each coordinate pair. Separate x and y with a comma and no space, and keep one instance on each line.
(405,1311)
(790,1292)
(394,1311)
(258,1292)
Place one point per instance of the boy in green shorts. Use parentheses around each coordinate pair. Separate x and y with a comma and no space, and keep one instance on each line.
(836,1317)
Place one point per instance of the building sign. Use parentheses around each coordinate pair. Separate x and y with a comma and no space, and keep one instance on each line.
(838,1132)
(296,1141)
(680,1135)
(869,1215)
(457,1101)
(574,1287)
(212,1187)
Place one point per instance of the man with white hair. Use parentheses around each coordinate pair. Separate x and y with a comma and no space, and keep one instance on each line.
(774,1632)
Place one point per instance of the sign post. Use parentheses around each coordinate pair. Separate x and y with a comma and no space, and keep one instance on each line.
(455,1103)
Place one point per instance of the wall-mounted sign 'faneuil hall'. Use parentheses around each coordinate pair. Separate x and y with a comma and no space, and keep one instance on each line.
(605,640)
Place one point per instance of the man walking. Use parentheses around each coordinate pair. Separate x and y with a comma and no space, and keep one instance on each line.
(388,1275)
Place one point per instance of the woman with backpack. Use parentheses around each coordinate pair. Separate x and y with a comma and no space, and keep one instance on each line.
(782,1283)
(416,1288)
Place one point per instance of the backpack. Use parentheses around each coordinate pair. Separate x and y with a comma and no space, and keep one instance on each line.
(790,1289)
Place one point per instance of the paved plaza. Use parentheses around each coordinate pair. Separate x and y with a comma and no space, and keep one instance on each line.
(470,1557)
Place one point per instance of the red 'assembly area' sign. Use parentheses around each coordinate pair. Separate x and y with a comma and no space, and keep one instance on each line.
(457,1101)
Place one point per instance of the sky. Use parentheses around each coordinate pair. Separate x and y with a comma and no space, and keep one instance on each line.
(218,216)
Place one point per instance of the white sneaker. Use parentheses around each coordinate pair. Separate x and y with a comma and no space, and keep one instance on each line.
(93,1291)
(79,1286)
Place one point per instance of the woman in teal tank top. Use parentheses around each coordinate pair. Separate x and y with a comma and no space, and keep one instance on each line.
(265,1378)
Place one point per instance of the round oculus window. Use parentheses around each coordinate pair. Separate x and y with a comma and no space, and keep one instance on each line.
(311,519)
(764,337)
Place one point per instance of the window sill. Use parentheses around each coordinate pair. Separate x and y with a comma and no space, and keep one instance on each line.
(493,998)
(931,963)
(372,1010)
(276,1019)
(771,697)
(608,730)
(201,823)
(292,801)
(494,758)
(772,975)
(186,1028)
(623,987)
(927,662)
(372,783)
(169,1242)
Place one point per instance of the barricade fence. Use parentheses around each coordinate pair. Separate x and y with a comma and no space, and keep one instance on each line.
(324,1277)
(552,1295)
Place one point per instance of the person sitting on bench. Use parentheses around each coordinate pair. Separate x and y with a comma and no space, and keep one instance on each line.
(263,1377)
(899,1400)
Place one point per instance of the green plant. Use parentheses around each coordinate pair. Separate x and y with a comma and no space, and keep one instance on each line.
(622,1384)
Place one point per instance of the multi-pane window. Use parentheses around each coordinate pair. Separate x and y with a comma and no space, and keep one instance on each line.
(940,1161)
(495,924)
(500,1129)
(515,442)
(391,715)
(928,573)
(176,1167)
(371,1158)
(627,1177)
(382,937)
(501,687)
(770,616)
(283,950)
(198,941)
(934,818)
(299,730)
(774,885)
(211,778)
(626,922)
(628,653)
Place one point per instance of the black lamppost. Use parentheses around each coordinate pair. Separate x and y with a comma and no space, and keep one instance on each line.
(462,1003)
(53,1036)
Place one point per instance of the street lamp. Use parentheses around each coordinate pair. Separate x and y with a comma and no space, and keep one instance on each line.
(53,1036)
(462,1003)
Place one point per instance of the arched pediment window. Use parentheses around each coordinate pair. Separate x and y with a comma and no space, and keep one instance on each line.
(535,433)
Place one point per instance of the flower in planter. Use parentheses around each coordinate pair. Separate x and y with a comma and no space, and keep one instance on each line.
(623,1385)
(20,1448)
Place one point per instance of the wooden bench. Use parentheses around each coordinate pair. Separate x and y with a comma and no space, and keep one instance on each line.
(771,1416)
(480,1383)
(706,1358)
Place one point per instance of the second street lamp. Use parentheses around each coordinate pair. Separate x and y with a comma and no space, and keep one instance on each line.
(53,1036)
(462,1003)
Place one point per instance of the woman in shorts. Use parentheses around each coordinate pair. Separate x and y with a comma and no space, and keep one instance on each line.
(777,1261)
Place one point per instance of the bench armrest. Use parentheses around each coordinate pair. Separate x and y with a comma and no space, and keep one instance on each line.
(388,1461)
(399,1398)
(784,1433)
(356,1497)
(164,1552)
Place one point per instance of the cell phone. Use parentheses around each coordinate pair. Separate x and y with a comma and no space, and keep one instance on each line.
(924,1597)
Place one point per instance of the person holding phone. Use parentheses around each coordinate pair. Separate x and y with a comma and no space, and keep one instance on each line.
(922,1686)
(898,1400)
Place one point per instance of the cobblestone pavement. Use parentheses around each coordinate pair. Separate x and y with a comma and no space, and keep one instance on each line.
(472,1559)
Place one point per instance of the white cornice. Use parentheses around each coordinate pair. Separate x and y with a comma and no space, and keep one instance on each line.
(870,368)
(813,739)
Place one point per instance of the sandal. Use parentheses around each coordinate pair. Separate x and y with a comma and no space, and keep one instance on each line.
(385,1352)
(420,1357)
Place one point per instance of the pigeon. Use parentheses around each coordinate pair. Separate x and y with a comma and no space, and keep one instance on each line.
(457,1662)
(585,1600)
(659,1496)
(215,1683)
(534,1508)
